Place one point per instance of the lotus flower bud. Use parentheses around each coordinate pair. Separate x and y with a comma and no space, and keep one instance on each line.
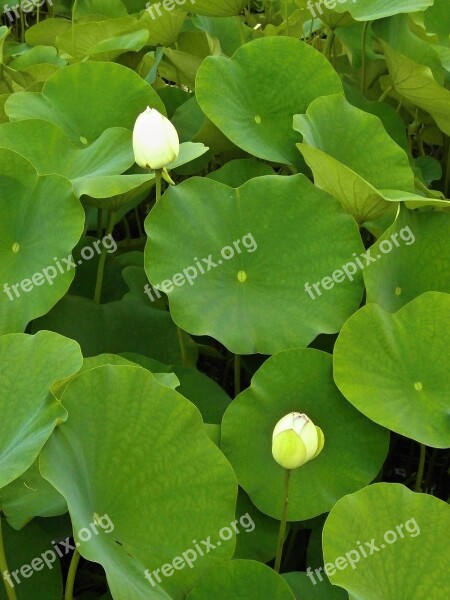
(155,140)
(296,440)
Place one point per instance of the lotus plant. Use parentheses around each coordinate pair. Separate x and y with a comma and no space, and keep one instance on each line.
(295,441)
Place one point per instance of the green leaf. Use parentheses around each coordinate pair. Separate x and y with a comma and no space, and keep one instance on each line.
(41,581)
(73,99)
(237,172)
(281,223)
(416,83)
(105,8)
(29,496)
(94,170)
(123,326)
(300,381)
(46,32)
(402,526)
(370,10)
(351,167)
(414,257)
(396,33)
(214,8)
(258,540)
(437,18)
(188,152)
(253,113)
(30,365)
(106,39)
(311,587)
(164,28)
(180,486)
(210,399)
(242,579)
(394,367)
(41,223)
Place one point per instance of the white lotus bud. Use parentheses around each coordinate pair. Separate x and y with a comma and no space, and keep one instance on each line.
(155,140)
(296,440)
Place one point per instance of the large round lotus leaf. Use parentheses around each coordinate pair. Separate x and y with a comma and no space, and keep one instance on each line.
(394,367)
(354,169)
(242,580)
(300,381)
(310,587)
(267,82)
(418,261)
(214,8)
(30,365)
(87,98)
(180,487)
(394,538)
(29,496)
(41,220)
(255,301)
(370,10)
(126,325)
(21,548)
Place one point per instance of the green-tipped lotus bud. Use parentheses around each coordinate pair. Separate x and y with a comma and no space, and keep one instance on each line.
(296,440)
(155,140)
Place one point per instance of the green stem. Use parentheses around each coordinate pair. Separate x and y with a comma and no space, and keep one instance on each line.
(282,532)
(127,230)
(102,261)
(138,221)
(10,592)
(286,16)
(386,93)
(74,8)
(430,469)
(329,44)
(22,25)
(447,169)
(420,470)
(237,374)
(241,30)
(68,595)
(364,56)
(183,349)
(99,222)
(158,176)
